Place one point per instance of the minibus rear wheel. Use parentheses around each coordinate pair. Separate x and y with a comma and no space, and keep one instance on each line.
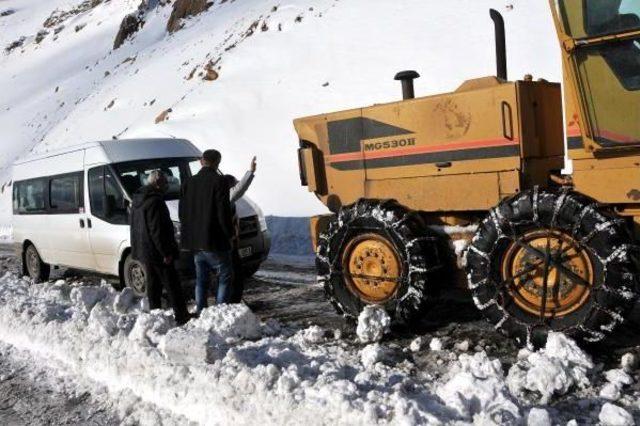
(35,267)
(135,276)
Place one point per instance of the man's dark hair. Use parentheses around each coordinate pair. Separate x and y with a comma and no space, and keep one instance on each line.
(230,180)
(212,157)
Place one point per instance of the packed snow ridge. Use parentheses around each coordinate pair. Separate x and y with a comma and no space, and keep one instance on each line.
(227,366)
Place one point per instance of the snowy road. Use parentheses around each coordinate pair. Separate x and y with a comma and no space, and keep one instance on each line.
(67,357)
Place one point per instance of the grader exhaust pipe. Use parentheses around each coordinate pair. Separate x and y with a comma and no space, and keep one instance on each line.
(501,45)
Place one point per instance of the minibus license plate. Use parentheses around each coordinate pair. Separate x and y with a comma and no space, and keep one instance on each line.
(245,251)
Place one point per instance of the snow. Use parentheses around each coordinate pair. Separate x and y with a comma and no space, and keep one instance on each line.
(436,344)
(477,387)
(416,344)
(538,417)
(229,367)
(553,370)
(613,415)
(57,92)
(629,362)
(373,324)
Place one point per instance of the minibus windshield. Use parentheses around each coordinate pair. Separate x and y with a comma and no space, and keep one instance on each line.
(133,175)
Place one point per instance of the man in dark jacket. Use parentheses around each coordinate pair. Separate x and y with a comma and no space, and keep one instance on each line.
(207,227)
(153,244)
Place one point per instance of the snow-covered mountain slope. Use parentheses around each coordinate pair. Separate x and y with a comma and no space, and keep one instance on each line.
(275,59)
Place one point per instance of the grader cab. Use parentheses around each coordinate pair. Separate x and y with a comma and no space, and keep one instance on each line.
(482,168)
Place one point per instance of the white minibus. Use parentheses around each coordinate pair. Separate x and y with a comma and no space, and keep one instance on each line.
(71,207)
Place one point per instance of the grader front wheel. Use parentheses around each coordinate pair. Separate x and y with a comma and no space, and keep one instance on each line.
(552,261)
(377,253)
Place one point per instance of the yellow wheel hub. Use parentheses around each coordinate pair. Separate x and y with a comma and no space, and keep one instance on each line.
(548,288)
(371,268)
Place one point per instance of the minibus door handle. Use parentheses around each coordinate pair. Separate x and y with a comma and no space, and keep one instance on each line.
(81,223)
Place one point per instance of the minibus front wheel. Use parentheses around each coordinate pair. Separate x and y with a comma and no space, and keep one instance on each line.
(135,276)
(35,267)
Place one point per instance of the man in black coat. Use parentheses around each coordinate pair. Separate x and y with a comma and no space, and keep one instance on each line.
(154,245)
(207,227)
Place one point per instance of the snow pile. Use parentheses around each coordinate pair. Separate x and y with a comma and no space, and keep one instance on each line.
(227,367)
(616,380)
(553,370)
(612,415)
(538,417)
(373,324)
(476,390)
(228,323)
(224,366)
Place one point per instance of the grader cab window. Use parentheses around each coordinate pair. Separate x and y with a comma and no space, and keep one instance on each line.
(608,70)
(593,18)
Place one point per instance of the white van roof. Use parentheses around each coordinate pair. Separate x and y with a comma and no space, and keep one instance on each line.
(120,150)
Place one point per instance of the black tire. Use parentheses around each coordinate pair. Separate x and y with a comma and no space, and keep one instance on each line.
(134,276)
(250,270)
(597,235)
(405,231)
(34,266)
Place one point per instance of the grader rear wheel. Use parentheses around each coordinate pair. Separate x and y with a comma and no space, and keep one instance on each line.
(377,252)
(548,287)
(552,261)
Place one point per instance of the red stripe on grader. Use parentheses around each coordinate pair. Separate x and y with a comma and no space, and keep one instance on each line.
(454,146)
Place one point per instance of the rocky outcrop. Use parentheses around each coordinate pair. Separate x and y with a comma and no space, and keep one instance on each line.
(132,23)
(129,26)
(183,9)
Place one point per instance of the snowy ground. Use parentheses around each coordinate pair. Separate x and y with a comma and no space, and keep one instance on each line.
(103,360)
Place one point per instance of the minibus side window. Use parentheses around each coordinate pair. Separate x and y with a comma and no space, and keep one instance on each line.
(66,193)
(106,199)
(29,197)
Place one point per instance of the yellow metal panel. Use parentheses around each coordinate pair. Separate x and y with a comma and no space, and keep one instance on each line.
(612,186)
(440,193)
(460,132)
(509,183)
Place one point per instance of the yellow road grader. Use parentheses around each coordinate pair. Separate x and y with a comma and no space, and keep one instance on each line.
(544,250)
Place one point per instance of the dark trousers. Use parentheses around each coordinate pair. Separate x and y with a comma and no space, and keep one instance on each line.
(161,276)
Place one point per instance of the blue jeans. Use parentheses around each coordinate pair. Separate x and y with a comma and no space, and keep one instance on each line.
(206,261)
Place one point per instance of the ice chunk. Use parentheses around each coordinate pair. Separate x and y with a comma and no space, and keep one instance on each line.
(462,346)
(611,391)
(86,297)
(436,344)
(124,300)
(612,415)
(416,344)
(538,417)
(476,386)
(182,346)
(629,362)
(618,376)
(553,370)
(372,354)
(150,327)
(229,322)
(373,324)
(313,334)
(102,321)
